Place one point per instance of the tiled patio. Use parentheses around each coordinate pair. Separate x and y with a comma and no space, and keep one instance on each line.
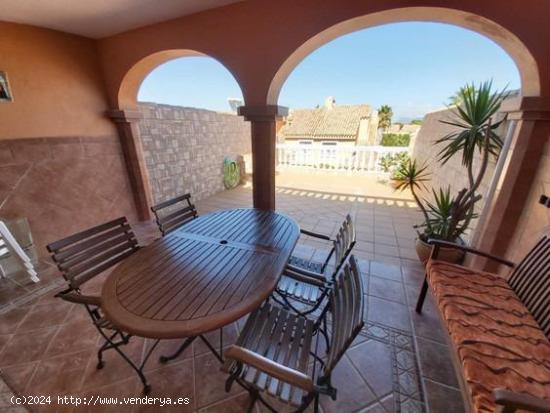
(399,363)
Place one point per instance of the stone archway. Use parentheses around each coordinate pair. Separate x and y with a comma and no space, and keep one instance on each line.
(513,184)
(128,115)
(520,54)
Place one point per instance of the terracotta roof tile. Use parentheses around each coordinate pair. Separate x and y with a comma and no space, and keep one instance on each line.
(336,123)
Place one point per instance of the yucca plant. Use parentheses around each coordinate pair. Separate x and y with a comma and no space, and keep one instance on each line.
(473,119)
(447,218)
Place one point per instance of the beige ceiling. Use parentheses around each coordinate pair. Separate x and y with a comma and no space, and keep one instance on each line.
(100,18)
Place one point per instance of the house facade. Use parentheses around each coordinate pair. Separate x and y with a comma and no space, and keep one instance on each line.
(330,125)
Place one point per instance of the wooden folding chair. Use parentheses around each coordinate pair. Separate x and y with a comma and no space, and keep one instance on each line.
(172,214)
(85,255)
(274,349)
(307,282)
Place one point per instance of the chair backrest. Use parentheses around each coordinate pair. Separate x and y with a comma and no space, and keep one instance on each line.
(530,280)
(173,213)
(344,243)
(86,254)
(347,302)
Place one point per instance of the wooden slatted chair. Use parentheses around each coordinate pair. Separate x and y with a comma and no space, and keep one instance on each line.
(274,349)
(174,213)
(308,282)
(499,328)
(85,255)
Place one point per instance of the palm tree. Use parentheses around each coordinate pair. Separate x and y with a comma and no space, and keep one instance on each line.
(385,114)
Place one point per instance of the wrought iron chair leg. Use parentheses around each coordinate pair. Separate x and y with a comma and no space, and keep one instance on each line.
(422,296)
(103,347)
(254,396)
(138,370)
(305,404)
(316,404)
(266,404)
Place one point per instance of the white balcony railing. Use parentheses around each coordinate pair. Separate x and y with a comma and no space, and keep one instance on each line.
(362,159)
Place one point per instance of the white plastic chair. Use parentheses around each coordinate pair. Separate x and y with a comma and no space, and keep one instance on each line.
(10,247)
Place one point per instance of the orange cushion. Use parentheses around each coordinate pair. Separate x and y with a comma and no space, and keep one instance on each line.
(499,343)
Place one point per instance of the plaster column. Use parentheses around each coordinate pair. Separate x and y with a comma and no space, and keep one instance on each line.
(264,137)
(527,147)
(128,130)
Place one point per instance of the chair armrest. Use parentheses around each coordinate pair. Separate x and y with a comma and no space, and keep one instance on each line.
(286,374)
(470,250)
(74,297)
(313,279)
(509,401)
(302,271)
(315,234)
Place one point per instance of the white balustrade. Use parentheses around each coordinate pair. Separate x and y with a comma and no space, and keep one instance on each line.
(358,159)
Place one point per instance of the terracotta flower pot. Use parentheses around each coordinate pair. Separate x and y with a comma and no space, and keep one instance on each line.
(423,250)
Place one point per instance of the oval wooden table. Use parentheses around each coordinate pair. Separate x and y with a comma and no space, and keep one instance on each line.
(201,277)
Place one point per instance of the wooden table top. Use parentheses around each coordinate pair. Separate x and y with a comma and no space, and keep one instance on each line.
(209,273)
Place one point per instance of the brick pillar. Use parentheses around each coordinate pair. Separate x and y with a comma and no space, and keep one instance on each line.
(263,130)
(128,130)
(527,147)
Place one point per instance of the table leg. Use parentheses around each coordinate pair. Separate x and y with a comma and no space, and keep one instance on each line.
(186,343)
(212,349)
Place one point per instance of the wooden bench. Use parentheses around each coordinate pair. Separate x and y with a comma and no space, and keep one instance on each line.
(498,328)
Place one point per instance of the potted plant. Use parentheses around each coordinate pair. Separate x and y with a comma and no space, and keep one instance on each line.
(448,217)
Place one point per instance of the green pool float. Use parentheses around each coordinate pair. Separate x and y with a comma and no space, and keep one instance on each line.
(231,173)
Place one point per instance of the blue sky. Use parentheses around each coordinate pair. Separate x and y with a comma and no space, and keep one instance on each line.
(413,67)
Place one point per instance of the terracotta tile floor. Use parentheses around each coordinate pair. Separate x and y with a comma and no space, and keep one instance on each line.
(400,362)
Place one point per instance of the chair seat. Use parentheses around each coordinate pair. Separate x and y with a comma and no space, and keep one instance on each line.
(306,264)
(299,290)
(499,343)
(283,337)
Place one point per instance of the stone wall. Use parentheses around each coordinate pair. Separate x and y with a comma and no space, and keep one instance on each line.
(63,184)
(453,173)
(184,148)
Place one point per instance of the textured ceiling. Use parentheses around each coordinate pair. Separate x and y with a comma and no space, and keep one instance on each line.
(100,18)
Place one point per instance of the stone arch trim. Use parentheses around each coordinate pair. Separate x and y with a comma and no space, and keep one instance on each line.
(132,80)
(520,54)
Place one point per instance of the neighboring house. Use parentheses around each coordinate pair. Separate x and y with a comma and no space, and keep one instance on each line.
(330,125)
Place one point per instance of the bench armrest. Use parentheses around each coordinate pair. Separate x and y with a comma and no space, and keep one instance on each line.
(447,244)
(74,297)
(315,234)
(508,402)
(286,374)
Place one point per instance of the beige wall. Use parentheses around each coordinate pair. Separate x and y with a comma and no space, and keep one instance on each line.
(61,163)
(535,219)
(56,85)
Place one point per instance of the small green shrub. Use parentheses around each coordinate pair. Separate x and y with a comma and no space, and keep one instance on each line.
(395,139)
(390,162)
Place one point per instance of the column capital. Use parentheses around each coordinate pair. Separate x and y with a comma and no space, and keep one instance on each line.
(264,113)
(124,115)
(527,108)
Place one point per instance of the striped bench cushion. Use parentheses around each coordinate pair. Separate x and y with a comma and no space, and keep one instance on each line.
(498,342)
